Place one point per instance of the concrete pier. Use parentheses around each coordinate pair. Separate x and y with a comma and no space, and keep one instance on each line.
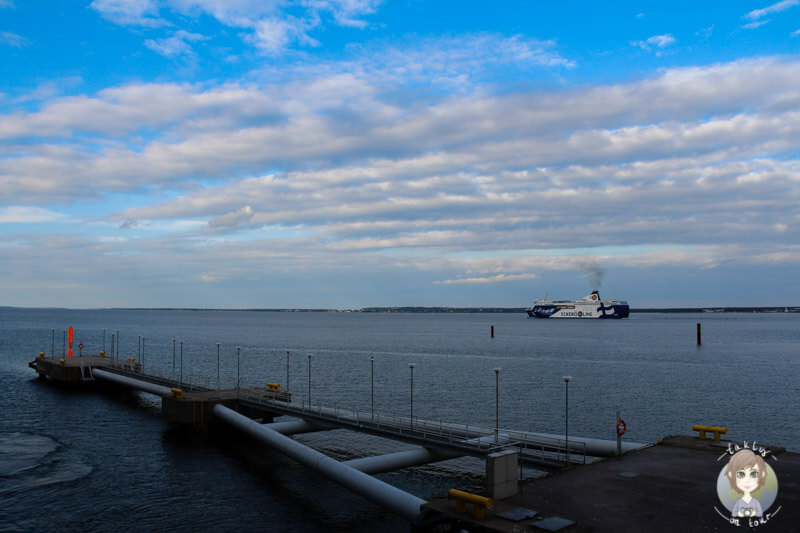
(670,486)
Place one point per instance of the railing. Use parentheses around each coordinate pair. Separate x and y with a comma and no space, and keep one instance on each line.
(471,439)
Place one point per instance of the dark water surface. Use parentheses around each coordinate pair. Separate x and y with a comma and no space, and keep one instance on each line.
(91,461)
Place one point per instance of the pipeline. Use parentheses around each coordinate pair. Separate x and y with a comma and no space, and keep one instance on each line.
(594,447)
(125,381)
(397,460)
(293,427)
(395,500)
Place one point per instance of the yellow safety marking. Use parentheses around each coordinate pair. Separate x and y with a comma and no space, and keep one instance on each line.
(479,503)
(717,431)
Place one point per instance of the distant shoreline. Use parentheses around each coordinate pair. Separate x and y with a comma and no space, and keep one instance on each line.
(420,309)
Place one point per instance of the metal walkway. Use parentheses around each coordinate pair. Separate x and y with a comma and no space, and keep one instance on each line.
(463,439)
(535,449)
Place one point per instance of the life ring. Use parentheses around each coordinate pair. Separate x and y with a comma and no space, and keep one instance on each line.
(621,427)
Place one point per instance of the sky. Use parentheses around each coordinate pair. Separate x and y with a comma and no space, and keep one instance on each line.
(353,153)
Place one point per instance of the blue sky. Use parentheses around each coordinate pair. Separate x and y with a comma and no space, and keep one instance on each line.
(354,153)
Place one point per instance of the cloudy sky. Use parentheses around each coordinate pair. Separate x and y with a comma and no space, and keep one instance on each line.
(353,153)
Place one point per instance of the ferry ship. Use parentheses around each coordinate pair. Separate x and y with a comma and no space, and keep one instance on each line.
(589,307)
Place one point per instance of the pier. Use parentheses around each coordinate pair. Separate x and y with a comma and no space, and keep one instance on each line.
(253,409)
(588,486)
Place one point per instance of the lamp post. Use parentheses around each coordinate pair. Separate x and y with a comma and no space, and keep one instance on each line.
(238,351)
(566,417)
(218,366)
(496,404)
(180,386)
(411,366)
(372,372)
(309,380)
(104,339)
(287,370)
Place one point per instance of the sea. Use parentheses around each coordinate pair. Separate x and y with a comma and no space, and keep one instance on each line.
(78,459)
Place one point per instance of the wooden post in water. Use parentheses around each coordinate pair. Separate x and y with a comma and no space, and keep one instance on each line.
(493,332)
(698,334)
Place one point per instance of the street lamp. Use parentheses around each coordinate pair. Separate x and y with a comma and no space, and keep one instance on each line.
(217,366)
(372,372)
(496,404)
(181,379)
(411,366)
(309,380)
(566,417)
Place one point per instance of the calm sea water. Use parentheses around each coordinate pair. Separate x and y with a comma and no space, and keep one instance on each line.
(87,461)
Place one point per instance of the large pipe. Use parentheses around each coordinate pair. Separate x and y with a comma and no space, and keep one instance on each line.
(397,460)
(292,427)
(593,447)
(395,500)
(152,388)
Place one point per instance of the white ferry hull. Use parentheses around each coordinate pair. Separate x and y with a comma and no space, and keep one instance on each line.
(590,307)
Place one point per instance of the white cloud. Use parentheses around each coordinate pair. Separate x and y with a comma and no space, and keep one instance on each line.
(777,7)
(656,41)
(130,12)
(176,45)
(497,278)
(273,25)
(13,40)
(331,167)
(755,24)
(16,214)
(232,220)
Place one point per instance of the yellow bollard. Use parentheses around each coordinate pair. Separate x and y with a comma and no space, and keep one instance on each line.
(479,503)
(717,431)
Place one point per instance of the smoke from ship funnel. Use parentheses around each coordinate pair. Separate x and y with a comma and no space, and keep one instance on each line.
(591,269)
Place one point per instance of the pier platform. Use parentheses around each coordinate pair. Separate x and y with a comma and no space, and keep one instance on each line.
(181,402)
(670,486)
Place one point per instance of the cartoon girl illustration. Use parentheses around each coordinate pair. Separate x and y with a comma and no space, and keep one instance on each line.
(746,472)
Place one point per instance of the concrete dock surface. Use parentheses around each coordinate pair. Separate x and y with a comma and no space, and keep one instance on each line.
(669,486)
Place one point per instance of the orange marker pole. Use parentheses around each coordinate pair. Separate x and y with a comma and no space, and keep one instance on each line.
(69,342)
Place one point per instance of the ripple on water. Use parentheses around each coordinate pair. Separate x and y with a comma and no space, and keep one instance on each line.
(28,461)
